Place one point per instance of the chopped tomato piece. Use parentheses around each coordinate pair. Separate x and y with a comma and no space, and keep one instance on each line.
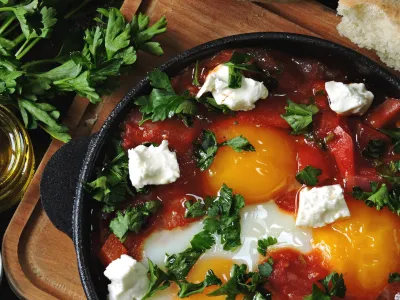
(366,133)
(315,157)
(294,273)
(342,148)
(385,114)
(325,123)
(111,250)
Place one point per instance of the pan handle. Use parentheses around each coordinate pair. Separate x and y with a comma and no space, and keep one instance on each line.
(59,181)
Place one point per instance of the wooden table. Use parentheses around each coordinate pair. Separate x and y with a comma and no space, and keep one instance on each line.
(40,260)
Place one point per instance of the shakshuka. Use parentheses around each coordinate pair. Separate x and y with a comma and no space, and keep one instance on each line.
(252,174)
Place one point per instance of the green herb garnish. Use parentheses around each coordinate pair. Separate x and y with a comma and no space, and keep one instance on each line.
(308,176)
(163,102)
(205,151)
(265,243)
(395,135)
(187,288)
(374,149)
(299,116)
(248,284)
(159,280)
(380,197)
(196,74)
(394,277)
(133,218)
(239,62)
(333,285)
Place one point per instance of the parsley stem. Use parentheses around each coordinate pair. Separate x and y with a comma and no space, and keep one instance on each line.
(6,24)
(21,52)
(68,15)
(11,29)
(39,62)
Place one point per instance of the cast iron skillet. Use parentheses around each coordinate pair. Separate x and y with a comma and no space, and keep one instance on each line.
(61,188)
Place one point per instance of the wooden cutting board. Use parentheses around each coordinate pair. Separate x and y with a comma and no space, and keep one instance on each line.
(39,260)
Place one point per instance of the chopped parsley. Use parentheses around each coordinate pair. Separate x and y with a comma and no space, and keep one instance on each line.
(187,289)
(159,280)
(380,197)
(248,284)
(206,150)
(374,149)
(394,277)
(265,243)
(308,176)
(196,75)
(333,285)
(299,116)
(212,105)
(394,166)
(194,209)
(163,103)
(239,62)
(133,219)
(395,135)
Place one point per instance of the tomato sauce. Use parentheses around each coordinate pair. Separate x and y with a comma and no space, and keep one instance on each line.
(296,78)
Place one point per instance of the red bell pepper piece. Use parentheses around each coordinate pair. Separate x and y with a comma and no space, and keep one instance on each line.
(385,114)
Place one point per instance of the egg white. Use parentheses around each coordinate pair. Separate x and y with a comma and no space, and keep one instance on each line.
(258,221)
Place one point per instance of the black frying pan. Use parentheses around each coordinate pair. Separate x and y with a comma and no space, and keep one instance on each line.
(61,188)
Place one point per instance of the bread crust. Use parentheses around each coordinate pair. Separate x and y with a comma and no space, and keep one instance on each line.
(390,7)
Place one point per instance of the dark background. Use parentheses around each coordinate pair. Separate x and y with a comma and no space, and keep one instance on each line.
(41,141)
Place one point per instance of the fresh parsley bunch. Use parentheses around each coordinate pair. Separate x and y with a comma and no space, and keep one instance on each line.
(109,47)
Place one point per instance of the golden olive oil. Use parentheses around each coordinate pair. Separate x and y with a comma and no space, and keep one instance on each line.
(16,159)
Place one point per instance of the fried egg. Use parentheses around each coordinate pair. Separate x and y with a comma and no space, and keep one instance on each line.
(257,175)
(258,221)
(365,248)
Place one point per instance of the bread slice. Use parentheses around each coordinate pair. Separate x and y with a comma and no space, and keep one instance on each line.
(373,24)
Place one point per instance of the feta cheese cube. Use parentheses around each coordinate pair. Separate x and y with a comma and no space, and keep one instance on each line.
(152,165)
(347,99)
(242,98)
(128,277)
(320,206)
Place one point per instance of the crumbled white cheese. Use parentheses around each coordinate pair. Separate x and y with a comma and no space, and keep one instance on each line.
(320,206)
(152,165)
(347,99)
(242,98)
(128,277)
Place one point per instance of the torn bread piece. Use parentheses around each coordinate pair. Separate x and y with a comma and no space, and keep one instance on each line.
(373,24)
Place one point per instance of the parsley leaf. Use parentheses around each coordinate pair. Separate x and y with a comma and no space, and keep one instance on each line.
(212,105)
(159,280)
(163,102)
(194,209)
(265,243)
(202,241)
(237,63)
(333,285)
(206,150)
(394,166)
(395,135)
(308,176)
(374,149)
(393,277)
(133,219)
(299,116)
(249,284)
(187,288)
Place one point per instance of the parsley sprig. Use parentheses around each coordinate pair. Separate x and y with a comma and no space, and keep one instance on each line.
(263,244)
(163,103)
(394,277)
(109,47)
(239,62)
(333,285)
(206,150)
(395,135)
(299,116)
(380,197)
(374,149)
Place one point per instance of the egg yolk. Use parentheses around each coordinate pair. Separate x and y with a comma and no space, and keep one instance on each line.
(221,268)
(257,175)
(365,248)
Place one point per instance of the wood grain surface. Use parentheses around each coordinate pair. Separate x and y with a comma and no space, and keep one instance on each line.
(39,260)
